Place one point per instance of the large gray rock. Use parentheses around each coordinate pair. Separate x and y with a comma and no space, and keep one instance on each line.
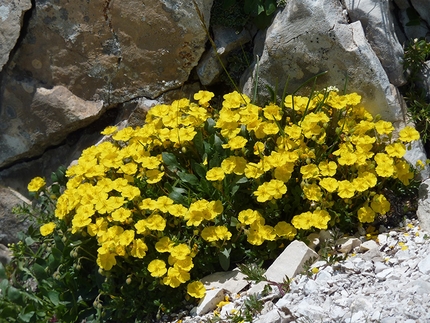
(377,21)
(50,117)
(10,224)
(11,19)
(311,36)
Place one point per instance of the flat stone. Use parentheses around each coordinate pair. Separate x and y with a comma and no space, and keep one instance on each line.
(233,281)
(210,300)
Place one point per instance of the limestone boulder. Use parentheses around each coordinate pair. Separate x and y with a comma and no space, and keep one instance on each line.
(378,25)
(46,121)
(11,224)
(11,19)
(309,37)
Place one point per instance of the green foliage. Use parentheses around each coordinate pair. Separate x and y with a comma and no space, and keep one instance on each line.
(416,54)
(237,13)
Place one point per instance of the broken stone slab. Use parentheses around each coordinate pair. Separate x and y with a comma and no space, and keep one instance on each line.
(378,25)
(232,281)
(209,301)
(288,264)
(348,244)
(318,38)
(11,20)
(368,245)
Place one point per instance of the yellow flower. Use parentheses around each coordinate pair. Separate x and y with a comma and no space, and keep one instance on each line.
(36,184)
(154,176)
(164,245)
(126,237)
(309,171)
(321,218)
(109,130)
(396,150)
(366,214)
(347,158)
(262,193)
(121,214)
(285,230)
(312,192)
(303,221)
(152,222)
(345,189)
(106,261)
(203,97)
(157,268)
(215,174)
(380,204)
(248,216)
(139,248)
(327,168)
(47,228)
(276,188)
(180,251)
(329,184)
(384,127)
(196,289)
(408,134)
(237,142)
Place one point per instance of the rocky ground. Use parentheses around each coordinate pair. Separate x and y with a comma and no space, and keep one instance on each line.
(384,279)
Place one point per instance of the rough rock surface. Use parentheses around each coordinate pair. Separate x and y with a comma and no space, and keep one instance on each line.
(101,51)
(52,115)
(10,224)
(377,21)
(112,50)
(11,19)
(317,38)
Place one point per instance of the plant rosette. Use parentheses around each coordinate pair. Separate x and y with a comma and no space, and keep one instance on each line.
(197,188)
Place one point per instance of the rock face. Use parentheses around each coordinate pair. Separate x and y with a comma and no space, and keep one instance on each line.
(101,51)
(51,116)
(310,37)
(378,25)
(11,18)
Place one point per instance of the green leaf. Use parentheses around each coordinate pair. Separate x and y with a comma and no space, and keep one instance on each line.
(224,259)
(234,189)
(13,294)
(270,7)
(29,241)
(189,178)
(199,169)
(39,271)
(54,297)
(242,180)
(171,162)
(26,317)
(199,143)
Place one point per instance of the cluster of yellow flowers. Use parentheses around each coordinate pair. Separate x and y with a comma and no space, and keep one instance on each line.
(263,146)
